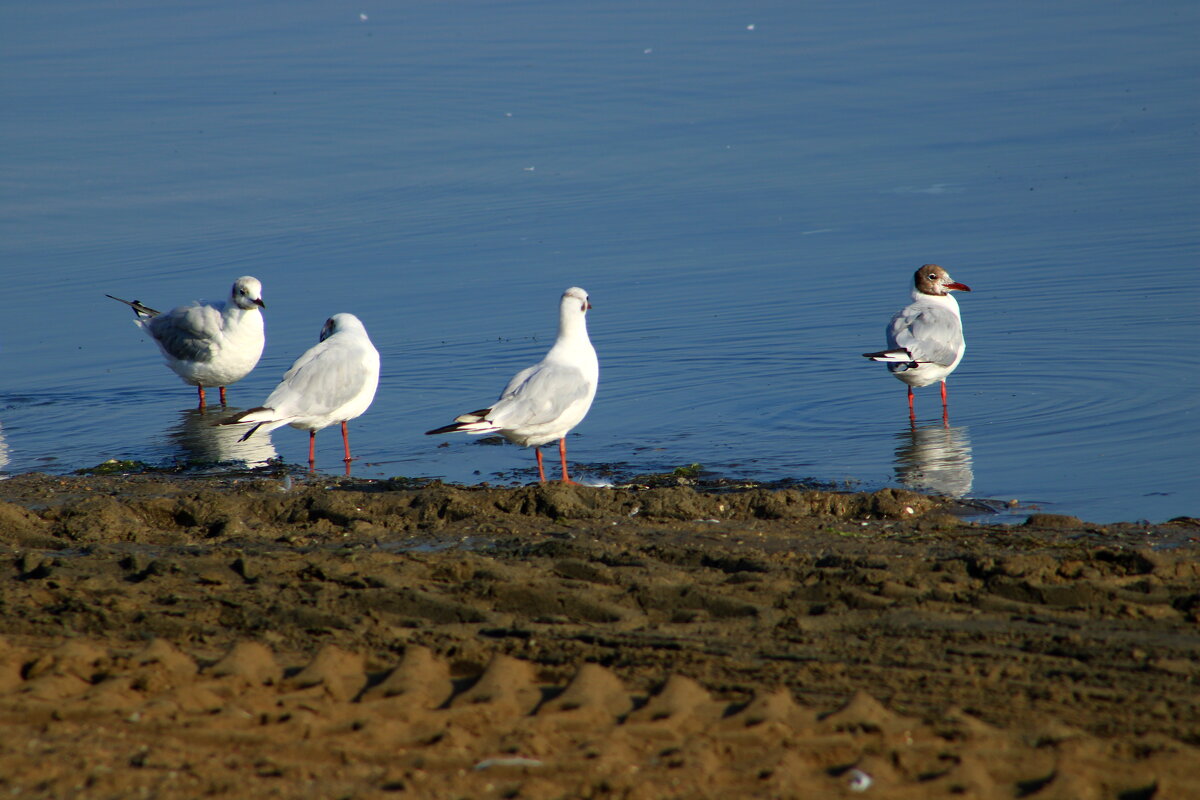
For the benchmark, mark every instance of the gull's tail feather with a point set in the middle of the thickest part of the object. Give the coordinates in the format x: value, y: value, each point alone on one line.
x: 138, y: 308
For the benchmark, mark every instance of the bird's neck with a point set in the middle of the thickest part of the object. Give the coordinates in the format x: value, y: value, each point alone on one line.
x: 246, y: 320
x: 572, y: 327
x: 946, y: 301
x: 233, y: 311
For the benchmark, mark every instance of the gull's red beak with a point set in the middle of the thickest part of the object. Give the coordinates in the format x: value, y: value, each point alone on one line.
x: 260, y: 303
x: 957, y: 287
x: 587, y: 305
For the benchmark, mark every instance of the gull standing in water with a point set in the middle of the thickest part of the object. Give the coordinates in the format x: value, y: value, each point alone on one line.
x: 544, y: 402
x: 334, y: 381
x: 925, y: 339
x: 209, y: 344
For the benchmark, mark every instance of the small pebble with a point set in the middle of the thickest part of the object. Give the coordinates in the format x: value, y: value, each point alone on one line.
x: 859, y: 780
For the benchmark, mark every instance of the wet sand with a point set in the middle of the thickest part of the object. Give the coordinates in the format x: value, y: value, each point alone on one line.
x: 178, y: 638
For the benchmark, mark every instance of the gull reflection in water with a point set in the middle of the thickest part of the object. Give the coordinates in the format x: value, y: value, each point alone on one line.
x: 4, y: 457
x: 935, y: 458
x: 199, y: 436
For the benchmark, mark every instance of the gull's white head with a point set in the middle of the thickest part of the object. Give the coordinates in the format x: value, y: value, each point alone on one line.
x: 247, y: 293
x: 341, y: 322
x: 574, y: 296
x: 932, y: 279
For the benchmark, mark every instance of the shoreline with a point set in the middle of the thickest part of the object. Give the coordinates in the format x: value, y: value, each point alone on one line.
x: 187, y: 636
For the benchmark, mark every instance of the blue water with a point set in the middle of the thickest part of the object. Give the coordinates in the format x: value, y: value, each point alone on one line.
x: 744, y: 189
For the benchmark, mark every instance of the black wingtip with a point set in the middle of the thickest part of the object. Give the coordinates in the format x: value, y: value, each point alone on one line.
x: 132, y: 304
x: 444, y: 429
x: 139, y: 308
x: 237, y: 418
x: 886, y: 353
x: 460, y: 421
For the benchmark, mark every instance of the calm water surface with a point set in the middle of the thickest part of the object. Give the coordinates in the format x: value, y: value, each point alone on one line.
x: 744, y: 188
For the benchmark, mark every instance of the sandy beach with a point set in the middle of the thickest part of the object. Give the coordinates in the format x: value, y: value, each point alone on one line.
x: 239, y: 636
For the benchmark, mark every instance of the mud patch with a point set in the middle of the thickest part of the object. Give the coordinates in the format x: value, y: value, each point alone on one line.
x: 225, y: 638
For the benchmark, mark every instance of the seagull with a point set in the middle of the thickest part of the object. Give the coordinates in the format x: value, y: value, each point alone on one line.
x: 925, y: 339
x: 334, y: 381
x: 209, y: 344
x: 544, y: 402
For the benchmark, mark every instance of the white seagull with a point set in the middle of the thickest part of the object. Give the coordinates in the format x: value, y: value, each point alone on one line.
x: 544, y: 402
x: 925, y: 339
x: 209, y: 344
x: 334, y: 381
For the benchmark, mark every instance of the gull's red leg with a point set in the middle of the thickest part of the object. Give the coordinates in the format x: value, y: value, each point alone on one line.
x: 346, y: 441
x: 312, y: 450
x: 202, y: 403
x: 541, y: 470
x: 222, y: 388
x: 562, y: 453
x: 912, y: 414
x: 945, y: 408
